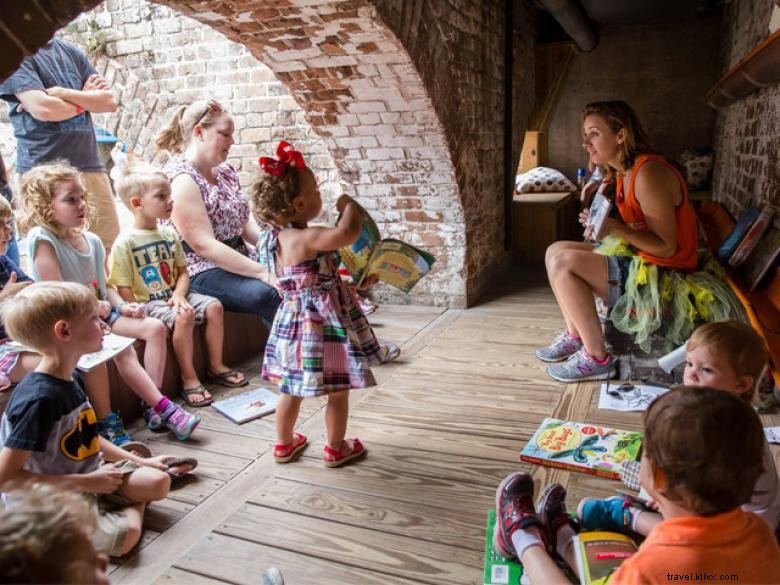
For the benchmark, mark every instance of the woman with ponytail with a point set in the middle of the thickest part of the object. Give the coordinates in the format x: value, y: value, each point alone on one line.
x: 211, y: 213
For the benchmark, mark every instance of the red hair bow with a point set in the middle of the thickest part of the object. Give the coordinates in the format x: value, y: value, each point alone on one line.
x: 287, y: 155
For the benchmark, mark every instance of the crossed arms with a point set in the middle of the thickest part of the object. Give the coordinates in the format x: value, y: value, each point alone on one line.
x: 56, y: 104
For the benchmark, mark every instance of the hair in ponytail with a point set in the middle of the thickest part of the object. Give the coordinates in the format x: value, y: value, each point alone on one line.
x: 175, y: 136
x: 170, y: 137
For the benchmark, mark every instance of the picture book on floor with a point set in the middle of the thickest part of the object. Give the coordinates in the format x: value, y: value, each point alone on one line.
x: 498, y: 570
x: 582, y: 447
x: 735, y: 236
x: 112, y: 345
x: 752, y: 237
x: 628, y: 397
x: 392, y: 261
x: 248, y: 405
x: 763, y: 259
x: 599, y: 554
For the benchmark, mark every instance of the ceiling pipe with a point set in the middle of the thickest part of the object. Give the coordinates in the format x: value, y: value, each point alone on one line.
x: 571, y: 16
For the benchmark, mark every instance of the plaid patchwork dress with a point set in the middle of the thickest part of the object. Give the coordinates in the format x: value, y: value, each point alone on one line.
x: 320, y: 341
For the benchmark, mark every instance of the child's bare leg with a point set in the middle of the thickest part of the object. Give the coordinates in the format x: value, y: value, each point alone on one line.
x: 145, y: 484
x: 336, y: 415
x: 155, y: 335
x: 135, y: 520
x: 97, y: 388
x: 25, y: 363
x: 136, y: 377
x: 183, y: 343
x: 646, y: 521
x: 286, y: 414
x: 215, y: 335
x: 540, y: 567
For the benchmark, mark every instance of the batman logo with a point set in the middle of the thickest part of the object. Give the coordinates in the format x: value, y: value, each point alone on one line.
x: 82, y: 441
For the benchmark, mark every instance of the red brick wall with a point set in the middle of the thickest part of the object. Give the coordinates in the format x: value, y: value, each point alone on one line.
x: 408, y: 98
x: 747, y: 133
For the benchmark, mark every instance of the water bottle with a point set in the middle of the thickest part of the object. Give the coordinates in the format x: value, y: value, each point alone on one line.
x: 581, y: 178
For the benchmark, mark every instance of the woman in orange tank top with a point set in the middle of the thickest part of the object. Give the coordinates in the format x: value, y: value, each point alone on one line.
x: 658, y: 221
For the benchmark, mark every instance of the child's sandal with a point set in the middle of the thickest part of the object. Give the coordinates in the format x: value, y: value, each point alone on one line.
x: 350, y: 449
x: 284, y: 453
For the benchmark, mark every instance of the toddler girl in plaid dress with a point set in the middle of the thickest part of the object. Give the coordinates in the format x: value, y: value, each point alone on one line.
x: 320, y: 341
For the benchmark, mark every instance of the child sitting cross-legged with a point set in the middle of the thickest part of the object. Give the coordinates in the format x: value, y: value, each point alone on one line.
x: 320, y: 342
x: 48, y: 431
x: 701, y: 456
x: 730, y: 356
x: 148, y: 266
x: 55, y: 210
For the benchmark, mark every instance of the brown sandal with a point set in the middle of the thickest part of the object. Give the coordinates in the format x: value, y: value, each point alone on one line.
x: 187, y: 394
x: 222, y: 379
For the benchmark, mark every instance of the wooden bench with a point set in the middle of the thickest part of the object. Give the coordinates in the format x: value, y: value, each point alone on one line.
x: 245, y: 337
x: 763, y: 305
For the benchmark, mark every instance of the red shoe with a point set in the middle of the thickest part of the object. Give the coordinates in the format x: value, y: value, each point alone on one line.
x: 284, y: 453
x: 514, y: 511
x: 350, y: 449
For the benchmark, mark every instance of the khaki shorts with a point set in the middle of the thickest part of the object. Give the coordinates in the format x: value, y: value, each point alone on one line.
x: 159, y: 310
x: 112, y: 525
x: 105, y: 223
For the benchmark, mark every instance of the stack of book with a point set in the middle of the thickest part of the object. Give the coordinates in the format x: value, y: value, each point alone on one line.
x: 753, y: 246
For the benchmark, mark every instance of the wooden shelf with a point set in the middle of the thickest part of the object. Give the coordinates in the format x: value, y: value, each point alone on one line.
x: 759, y: 69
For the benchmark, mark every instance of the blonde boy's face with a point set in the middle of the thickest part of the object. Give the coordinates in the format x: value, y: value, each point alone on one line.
x: 706, y: 365
x: 87, y: 331
x: 156, y: 202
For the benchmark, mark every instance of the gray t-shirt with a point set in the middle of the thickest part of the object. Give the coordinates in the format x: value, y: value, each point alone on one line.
x: 65, y: 65
x: 87, y: 269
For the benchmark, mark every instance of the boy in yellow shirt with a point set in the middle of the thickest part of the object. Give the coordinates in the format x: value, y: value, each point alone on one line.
x: 148, y: 265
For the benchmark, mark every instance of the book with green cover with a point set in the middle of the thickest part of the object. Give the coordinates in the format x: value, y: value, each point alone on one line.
x: 498, y: 570
x: 392, y: 261
x: 582, y: 447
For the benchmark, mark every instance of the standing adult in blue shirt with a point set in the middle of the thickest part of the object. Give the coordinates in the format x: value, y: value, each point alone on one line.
x: 51, y: 98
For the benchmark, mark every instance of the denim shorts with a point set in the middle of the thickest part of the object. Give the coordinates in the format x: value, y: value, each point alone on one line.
x: 617, y: 274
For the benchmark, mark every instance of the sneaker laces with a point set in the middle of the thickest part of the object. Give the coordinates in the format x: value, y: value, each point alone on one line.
x: 178, y: 418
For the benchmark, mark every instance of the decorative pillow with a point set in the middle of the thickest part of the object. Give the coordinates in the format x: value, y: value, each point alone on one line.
x: 542, y: 180
x: 698, y: 168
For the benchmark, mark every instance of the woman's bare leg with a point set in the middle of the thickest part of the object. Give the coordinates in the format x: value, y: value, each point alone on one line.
x: 552, y: 252
x: 576, y: 275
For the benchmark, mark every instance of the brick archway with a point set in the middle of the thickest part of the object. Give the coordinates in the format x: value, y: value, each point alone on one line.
x: 409, y: 99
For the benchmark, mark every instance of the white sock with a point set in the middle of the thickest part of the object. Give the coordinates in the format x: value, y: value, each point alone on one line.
x: 522, y: 538
x: 635, y: 512
x: 563, y: 539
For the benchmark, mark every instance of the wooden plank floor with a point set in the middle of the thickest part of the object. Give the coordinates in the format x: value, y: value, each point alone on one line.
x: 445, y: 424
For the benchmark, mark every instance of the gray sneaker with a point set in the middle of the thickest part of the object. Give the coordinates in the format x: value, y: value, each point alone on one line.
x: 560, y: 349
x: 581, y: 367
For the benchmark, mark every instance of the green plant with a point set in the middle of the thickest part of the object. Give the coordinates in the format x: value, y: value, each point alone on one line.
x: 97, y: 40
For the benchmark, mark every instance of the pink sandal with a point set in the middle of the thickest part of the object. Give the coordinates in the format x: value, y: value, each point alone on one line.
x: 350, y: 449
x: 284, y: 453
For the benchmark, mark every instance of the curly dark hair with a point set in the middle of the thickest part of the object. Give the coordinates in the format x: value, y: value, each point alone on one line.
x: 272, y: 197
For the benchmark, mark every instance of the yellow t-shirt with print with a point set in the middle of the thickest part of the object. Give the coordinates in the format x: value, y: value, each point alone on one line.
x: 148, y: 262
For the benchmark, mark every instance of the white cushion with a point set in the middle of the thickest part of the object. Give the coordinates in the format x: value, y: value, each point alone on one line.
x: 542, y: 180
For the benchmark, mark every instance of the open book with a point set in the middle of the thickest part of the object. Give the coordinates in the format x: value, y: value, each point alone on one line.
x: 392, y: 261
x: 599, y: 554
x: 248, y: 405
x: 582, y: 447
x: 112, y: 345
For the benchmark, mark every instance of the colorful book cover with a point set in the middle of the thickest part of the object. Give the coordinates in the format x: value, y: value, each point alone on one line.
x: 498, y: 570
x: 740, y: 229
x: 753, y: 235
x: 248, y: 405
x: 599, y: 554
x: 763, y: 259
x: 582, y: 447
x: 392, y: 261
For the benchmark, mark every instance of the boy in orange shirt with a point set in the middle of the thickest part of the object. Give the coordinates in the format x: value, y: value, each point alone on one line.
x: 702, y: 454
